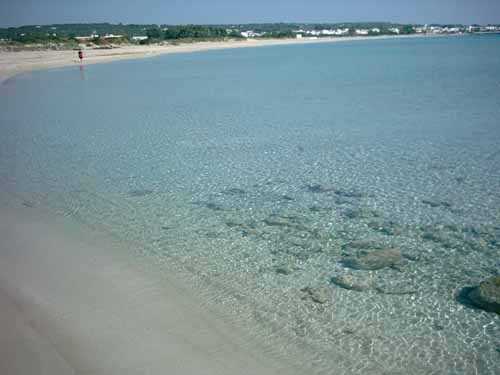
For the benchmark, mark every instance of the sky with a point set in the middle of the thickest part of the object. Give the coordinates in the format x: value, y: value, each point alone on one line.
x: 35, y: 12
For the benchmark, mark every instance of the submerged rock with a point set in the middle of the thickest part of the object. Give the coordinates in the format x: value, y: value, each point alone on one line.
x: 360, y: 213
x: 440, y: 237
x: 317, y: 295
x: 363, y: 244
x: 284, y: 269
x: 436, y: 203
x: 28, y: 204
x: 487, y: 295
x: 351, y: 283
x: 348, y: 193
x: 234, y: 191
x: 374, y: 260
x: 317, y: 188
x: 389, y: 228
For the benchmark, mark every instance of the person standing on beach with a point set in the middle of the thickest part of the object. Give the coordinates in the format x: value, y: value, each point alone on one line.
x: 80, y: 55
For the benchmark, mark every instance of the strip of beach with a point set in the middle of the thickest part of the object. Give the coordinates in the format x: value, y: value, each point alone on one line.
x: 13, y: 63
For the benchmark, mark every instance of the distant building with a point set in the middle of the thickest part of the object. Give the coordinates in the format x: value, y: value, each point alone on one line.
x: 251, y: 34
x: 394, y: 30
x: 112, y: 36
x: 298, y: 36
x: 139, y: 38
x: 362, y: 32
x: 327, y: 32
x: 340, y: 32
x: 375, y: 30
x: 436, y: 29
x: 86, y: 38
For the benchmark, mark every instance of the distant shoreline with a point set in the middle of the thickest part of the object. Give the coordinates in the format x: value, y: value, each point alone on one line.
x: 14, y: 63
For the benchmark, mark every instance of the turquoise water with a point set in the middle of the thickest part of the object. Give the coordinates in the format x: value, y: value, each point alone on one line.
x: 261, y: 171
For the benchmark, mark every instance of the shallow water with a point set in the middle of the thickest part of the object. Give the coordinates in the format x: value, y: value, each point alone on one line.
x: 260, y: 171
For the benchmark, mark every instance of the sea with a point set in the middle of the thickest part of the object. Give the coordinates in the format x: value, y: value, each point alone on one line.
x: 337, y: 200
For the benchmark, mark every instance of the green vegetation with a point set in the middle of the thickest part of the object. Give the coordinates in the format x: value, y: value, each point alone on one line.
x: 68, y: 34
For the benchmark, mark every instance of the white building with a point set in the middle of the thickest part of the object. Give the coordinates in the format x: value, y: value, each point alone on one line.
x: 375, y: 30
x: 112, y: 36
x: 327, y: 32
x: 85, y: 38
x: 251, y: 34
x: 340, y: 32
x: 394, y: 30
x: 436, y: 29
x: 139, y: 38
x: 362, y: 32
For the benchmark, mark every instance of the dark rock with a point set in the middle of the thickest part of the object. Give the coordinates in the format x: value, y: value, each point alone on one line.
x: 435, y: 203
x: 286, y: 198
x: 233, y: 224
x: 374, y: 260
x: 487, y: 295
x: 440, y: 237
x: 317, y: 188
x: 348, y: 194
x: 234, y: 191
x: 389, y: 228
x: 214, y: 206
x: 286, y: 267
x: 361, y: 213
x: 437, y: 327
x: 315, y: 209
x: 276, y: 222
x: 284, y: 270
x: 351, y: 283
x: 28, y: 204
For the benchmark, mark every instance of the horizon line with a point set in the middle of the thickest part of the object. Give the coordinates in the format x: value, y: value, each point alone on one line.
x: 248, y: 23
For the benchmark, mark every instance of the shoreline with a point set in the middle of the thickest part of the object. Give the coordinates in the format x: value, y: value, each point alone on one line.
x: 79, y: 304
x: 14, y: 63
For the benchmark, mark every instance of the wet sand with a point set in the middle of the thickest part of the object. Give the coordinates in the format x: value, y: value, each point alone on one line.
x: 77, y: 304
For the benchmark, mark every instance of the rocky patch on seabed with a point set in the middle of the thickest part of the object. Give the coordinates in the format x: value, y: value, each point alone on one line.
x: 372, y: 260
x: 486, y: 295
x: 352, y: 282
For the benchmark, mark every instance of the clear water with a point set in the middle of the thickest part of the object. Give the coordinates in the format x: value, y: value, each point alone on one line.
x: 257, y: 171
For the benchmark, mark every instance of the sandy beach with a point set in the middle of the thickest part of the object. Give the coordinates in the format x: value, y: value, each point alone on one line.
x: 12, y: 63
x: 76, y: 306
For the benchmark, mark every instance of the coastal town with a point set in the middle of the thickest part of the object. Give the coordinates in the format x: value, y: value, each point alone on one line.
x: 110, y: 35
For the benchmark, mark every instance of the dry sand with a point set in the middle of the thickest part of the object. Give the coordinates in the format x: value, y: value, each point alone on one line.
x: 12, y: 63
x: 74, y: 305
